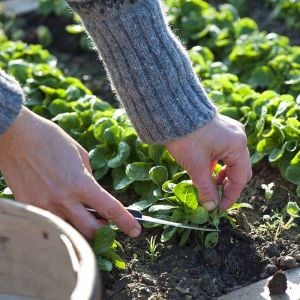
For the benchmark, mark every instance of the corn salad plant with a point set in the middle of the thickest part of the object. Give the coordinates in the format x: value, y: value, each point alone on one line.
x: 252, y: 76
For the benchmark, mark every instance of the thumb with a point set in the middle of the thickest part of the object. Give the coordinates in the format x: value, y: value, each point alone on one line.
x: 202, y: 179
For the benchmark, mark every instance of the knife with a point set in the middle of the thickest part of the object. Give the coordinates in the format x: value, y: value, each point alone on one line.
x: 142, y: 218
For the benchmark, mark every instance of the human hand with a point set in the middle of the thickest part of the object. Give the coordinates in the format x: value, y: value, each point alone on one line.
x: 45, y: 167
x: 222, y: 139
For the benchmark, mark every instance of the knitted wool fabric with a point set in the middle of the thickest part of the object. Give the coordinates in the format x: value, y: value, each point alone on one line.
x: 147, y: 66
x: 11, y: 98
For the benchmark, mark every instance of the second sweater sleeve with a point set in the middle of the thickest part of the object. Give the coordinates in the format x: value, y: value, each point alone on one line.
x: 11, y: 98
x: 147, y: 66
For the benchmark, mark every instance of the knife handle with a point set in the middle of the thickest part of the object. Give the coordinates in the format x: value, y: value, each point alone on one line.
x: 136, y: 214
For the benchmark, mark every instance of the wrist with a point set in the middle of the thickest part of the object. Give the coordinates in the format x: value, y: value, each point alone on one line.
x: 11, y: 139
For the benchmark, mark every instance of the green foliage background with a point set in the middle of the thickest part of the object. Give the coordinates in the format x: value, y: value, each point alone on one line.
x: 252, y: 76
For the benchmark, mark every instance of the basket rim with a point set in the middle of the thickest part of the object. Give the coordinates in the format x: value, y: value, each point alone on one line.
x: 88, y: 282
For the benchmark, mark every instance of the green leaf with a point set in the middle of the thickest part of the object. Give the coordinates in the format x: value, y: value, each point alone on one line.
x: 293, y: 173
x: 44, y: 35
x: 20, y: 69
x: 103, y: 240
x: 291, y: 146
x: 142, y: 187
x: 179, y: 175
x: 100, y: 127
x: 276, y: 154
x: 262, y: 77
x: 240, y: 205
x: 139, y: 171
x: 160, y: 207
x: 143, y: 204
x: 59, y: 106
x: 168, y: 233
x: 293, y: 209
x: 158, y: 174
x: 256, y: 157
x: 155, y: 152
x: 104, y: 264
x: 68, y: 121
x: 298, y: 191
x: 184, y: 237
x: 199, y: 216
x: 121, y: 157
x: 112, y: 135
x: 120, y: 180
x: 98, y: 174
x: 187, y: 194
x: 211, y: 239
x: 296, y: 159
x: 168, y: 186
x: 118, y: 261
x: 75, y: 29
x: 177, y: 215
x: 98, y: 158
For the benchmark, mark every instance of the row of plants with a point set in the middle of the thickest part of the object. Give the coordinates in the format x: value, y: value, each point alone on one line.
x: 286, y: 10
x: 162, y: 187
x: 260, y: 59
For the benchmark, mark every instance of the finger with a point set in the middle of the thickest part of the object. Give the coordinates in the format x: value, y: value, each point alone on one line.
x: 221, y: 176
x: 200, y: 174
x: 237, y: 173
x: 112, y: 209
x: 85, y: 158
x: 45, y: 205
x: 249, y: 173
x: 86, y: 223
x: 213, y: 165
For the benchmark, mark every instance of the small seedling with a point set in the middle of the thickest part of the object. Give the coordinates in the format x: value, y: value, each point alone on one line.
x: 268, y: 188
x: 276, y: 223
x: 152, y: 247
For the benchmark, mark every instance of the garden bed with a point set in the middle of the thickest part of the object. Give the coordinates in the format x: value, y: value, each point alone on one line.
x: 250, y: 251
x: 245, y: 254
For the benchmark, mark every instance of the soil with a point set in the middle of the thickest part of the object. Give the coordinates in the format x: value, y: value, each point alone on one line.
x: 245, y: 254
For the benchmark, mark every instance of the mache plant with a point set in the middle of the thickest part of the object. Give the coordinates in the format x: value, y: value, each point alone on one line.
x: 280, y: 221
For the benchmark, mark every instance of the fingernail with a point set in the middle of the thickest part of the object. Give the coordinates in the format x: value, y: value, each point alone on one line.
x: 209, y: 205
x: 135, y: 232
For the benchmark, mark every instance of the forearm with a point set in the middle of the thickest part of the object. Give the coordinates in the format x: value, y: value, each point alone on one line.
x: 11, y: 98
x: 148, y: 68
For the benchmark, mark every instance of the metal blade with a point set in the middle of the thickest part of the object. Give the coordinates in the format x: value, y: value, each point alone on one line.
x: 138, y: 216
x: 174, y: 224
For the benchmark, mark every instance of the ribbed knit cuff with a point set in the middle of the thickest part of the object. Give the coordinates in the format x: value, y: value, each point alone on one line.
x: 148, y: 67
x: 11, y: 98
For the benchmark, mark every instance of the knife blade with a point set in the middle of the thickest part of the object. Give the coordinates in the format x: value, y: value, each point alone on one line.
x: 142, y: 218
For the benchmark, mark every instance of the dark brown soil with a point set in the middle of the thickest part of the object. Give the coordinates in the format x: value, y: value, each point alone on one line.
x: 192, y: 272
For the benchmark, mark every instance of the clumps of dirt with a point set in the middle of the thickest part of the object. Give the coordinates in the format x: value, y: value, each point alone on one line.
x: 188, y: 272
x: 278, y: 283
x: 244, y: 254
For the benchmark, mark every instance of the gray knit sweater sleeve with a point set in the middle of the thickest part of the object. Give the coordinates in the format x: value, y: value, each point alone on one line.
x: 11, y: 98
x: 147, y: 66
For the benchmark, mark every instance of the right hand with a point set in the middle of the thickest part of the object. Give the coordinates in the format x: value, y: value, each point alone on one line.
x: 222, y: 139
x: 45, y: 167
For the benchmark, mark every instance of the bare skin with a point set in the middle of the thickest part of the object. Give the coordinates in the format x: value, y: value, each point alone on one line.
x: 45, y: 167
x: 222, y: 139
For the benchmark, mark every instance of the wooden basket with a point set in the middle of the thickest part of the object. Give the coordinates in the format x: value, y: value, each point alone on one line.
x: 43, y: 257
